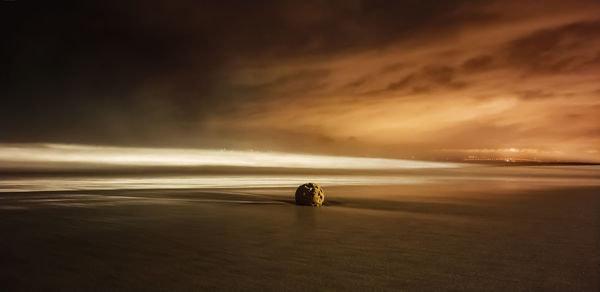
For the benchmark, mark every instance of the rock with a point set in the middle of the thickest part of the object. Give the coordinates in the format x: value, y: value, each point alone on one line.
x: 310, y: 194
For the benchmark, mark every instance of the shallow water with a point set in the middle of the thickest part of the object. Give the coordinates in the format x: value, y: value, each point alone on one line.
x: 520, y: 176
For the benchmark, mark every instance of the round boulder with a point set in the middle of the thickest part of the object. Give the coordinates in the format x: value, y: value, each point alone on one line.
x: 310, y: 194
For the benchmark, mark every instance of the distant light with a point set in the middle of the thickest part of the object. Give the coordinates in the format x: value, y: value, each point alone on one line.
x: 63, y: 155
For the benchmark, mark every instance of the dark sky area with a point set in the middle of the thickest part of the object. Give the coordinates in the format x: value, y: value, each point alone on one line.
x: 389, y: 78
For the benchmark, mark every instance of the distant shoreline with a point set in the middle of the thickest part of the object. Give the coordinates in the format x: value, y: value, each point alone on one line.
x: 212, y: 170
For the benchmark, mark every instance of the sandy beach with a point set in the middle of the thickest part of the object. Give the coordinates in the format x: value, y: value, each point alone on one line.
x: 452, y: 235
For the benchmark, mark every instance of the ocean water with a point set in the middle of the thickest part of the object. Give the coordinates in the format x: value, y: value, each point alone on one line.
x: 518, y: 176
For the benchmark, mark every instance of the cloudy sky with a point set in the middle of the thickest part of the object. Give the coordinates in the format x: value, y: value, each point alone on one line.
x: 377, y: 78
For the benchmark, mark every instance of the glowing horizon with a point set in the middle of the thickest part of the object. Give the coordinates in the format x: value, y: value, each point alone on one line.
x: 66, y: 155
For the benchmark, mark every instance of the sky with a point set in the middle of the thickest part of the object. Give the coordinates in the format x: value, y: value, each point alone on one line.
x: 399, y: 79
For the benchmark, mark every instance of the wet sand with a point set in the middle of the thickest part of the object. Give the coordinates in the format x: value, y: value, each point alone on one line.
x: 455, y: 236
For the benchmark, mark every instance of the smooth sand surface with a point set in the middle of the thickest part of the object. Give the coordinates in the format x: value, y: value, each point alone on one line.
x: 455, y: 236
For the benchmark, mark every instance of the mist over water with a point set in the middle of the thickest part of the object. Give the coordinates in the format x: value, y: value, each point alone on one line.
x: 63, y: 167
x: 512, y: 176
x: 67, y: 156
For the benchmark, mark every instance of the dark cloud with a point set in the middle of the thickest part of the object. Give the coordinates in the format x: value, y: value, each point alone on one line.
x: 439, y: 74
x: 534, y: 94
x: 290, y: 85
x: 394, y: 67
x: 358, y: 82
x: 403, y: 83
x: 427, y: 78
x: 71, y: 66
x: 210, y: 73
x: 555, y: 50
x: 477, y: 64
x: 299, y: 80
